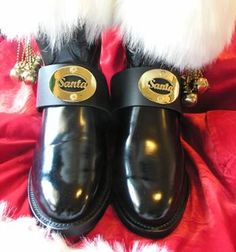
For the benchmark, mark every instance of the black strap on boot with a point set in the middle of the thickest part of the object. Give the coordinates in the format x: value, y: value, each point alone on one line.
x: 146, y: 86
x: 72, y: 85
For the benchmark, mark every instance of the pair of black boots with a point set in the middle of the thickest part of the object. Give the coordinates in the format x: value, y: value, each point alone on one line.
x: 92, y: 144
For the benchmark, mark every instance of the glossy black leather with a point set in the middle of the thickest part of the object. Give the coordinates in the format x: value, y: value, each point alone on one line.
x: 69, y: 162
x: 69, y: 183
x: 150, y: 187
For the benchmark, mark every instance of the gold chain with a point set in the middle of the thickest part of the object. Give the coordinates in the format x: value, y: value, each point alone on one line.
x: 193, y: 83
x: 27, y: 63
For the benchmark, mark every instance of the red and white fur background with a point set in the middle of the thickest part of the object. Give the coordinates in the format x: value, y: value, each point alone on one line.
x: 208, y: 137
x: 208, y: 131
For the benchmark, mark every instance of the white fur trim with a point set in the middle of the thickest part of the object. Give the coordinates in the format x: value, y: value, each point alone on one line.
x: 58, y: 19
x: 183, y: 33
x: 24, y: 234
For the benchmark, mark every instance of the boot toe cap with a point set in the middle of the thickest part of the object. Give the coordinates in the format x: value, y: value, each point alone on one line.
x: 64, y: 203
x: 152, y: 212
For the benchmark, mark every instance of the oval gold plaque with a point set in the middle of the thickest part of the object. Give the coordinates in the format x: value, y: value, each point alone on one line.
x: 73, y: 84
x: 159, y: 85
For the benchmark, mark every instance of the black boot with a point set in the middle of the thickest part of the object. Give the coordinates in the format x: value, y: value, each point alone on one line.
x: 69, y: 183
x: 150, y: 187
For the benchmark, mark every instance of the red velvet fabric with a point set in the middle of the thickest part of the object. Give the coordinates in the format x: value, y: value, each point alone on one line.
x: 208, y: 137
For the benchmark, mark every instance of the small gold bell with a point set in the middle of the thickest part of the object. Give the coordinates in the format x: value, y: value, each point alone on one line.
x: 15, y: 74
x: 202, y: 85
x: 24, y: 74
x: 16, y: 71
x: 190, y: 99
x: 36, y: 65
x: 29, y: 79
x: 27, y: 63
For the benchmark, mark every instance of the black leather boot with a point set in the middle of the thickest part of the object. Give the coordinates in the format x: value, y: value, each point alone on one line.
x: 150, y: 187
x: 69, y: 183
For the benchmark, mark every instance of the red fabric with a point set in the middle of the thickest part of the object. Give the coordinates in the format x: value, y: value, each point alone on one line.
x: 209, y: 139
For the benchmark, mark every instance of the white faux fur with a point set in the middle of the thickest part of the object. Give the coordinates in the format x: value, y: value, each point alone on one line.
x: 182, y: 33
x: 24, y: 234
x: 58, y: 19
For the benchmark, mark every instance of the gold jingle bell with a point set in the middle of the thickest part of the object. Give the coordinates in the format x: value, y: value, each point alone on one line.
x: 190, y: 99
x: 29, y: 77
x: 202, y: 85
x: 30, y: 80
x: 16, y: 72
x: 27, y: 65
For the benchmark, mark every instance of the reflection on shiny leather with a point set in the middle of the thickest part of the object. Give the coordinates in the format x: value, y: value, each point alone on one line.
x: 148, y: 167
x: 51, y: 194
x: 69, y: 161
x: 150, y: 147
